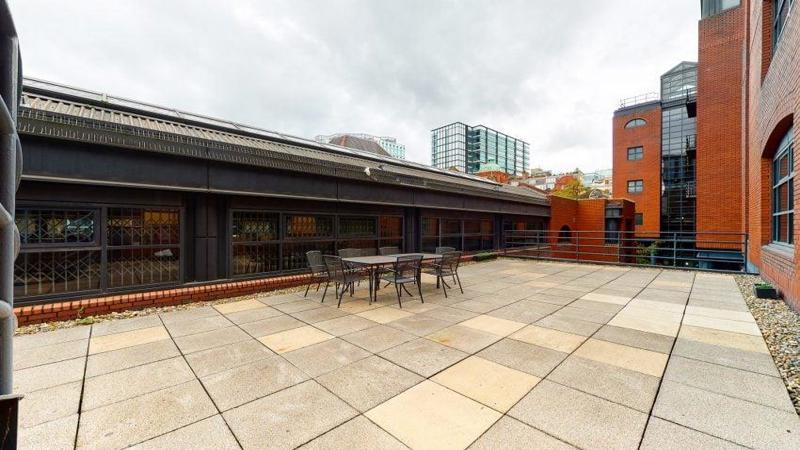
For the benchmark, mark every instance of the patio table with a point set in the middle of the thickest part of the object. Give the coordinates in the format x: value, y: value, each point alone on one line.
x: 373, y: 263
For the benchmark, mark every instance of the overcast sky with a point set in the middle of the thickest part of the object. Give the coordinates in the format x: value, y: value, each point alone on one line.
x: 548, y: 72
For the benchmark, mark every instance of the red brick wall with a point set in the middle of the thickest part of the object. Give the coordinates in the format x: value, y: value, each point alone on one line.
x: 586, y: 220
x: 720, y: 185
x: 772, y: 105
x: 647, y: 169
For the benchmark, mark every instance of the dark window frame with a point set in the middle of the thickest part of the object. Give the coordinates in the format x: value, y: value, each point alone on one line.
x: 785, y: 152
x: 781, y: 11
x: 635, y: 153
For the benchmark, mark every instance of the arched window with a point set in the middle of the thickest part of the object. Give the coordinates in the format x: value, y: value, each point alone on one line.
x: 564, y: 235
x: 635, y: 123
x: 783, y: 191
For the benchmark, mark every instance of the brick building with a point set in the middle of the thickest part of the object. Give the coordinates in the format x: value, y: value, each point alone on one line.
x: 741, y: 167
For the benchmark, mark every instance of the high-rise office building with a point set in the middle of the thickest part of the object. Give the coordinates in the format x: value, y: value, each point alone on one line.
x: 465, y: 148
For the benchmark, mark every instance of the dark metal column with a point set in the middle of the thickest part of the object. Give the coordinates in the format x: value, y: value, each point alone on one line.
x: 10, y: 172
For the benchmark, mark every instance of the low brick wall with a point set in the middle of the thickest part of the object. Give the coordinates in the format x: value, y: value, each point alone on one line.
x: 73, y: 309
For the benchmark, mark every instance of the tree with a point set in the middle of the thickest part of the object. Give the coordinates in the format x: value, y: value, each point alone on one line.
x: 571, y: 188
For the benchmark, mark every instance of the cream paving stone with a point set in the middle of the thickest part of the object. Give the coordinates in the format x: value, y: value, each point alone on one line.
x: 419, y: 325
x: 487, y: 382
x: 753, y: 387
x: 117, y: 341
x: 241, y: 384
x: 297, y: 306
x: 635, y: 338
x: 644, y: 361
x: 493, y: 325
x: 588, y: 315
x: 29, y: 341
x: 526, y: 311
x: 724, y: 338
x: 528, y: 358
x: 144, y: 417
x: 729, y: 418
x: 208, y: 434
x: 384, y: 315
x: 210, y: 339
x: 194, y: 326
x: 416, y: 307
x: 378, y: 338
x: 121, y: 325
x: 134, y: 382
x: 475, y: 306
x: 666, y: 328
x: 726, y: 356
x: 653, y: 305
x: 271, y: 325
x: 463, y: 338
x: 357, y: 306
x: 355, y: 434
x: 294, y: 339
x: 345, y: 325
x: 48, y: 375
x: 318, y: 314
x: 49, y: 404
x: 366, y: 383
x: 50, y: 354
x: 511, y: 434
x: 661, y: 434
x: 242, y: 305
x: 549, y: 338
x: 188, y: 314
x: 429, y: 416
x: 272, y: 299
x: 606, y: 298
x: 218, y: 359
x: 55, y: 435
x: 288, y: 418
x: 569, y: 325
x: 128, y: 357
x: 627, y: 387
x: 321, y: 358
x: 253, y: 315
x: 423, y: 356
x: 448, y: 314
x: 580, y: 419
x: 734, y: 326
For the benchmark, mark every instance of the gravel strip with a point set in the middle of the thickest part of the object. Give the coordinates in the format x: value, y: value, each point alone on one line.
x: 780, y: 326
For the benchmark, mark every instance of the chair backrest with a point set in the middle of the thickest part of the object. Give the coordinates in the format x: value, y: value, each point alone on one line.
x: 407, y: 266
x: 443, y: 250
x: 335, y: 268
x: 315, y: 262
x: 349, y: 252
x: 367, y: 252
x: 450, y: 260
x: 389, y: 250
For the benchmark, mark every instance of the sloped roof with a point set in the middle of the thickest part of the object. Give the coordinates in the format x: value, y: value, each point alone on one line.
x: 350, y: 141
x: 63, y: 112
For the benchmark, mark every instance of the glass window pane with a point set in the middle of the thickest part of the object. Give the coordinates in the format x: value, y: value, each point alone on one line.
x: 357, y: 226
x: 430, y: 226
x: 254, y: 258
x: 391, y: 226
x: 56, y: 272
x: 48, y: 226
x: 249, y: 226
x: 451, y: 226
x: 134, y: 266
x: 294, y: 253
x: 308, y: 227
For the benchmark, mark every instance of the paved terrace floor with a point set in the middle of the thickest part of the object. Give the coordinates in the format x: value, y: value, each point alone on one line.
x: 532, y: 355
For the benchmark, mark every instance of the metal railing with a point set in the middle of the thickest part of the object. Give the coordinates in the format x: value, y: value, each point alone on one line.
x: 712, y: 251
x: 638, y: 99
x: 10, y: 172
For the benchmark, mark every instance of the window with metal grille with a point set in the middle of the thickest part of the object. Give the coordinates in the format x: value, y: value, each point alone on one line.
x: 783, y: 191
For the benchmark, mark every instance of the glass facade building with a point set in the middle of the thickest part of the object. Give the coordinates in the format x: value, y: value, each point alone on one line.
x: 465, y: 148
x: 678, y: 148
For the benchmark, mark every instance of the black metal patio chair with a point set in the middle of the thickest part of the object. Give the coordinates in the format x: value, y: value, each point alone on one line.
x: 405, y: 271
x: 389, y: 251
x: 343, y: 276
x: 319, y: 272
x: 447, y: 266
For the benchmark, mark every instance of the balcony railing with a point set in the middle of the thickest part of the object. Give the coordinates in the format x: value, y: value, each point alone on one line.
x: 712, y: 251
x: 638, y: 99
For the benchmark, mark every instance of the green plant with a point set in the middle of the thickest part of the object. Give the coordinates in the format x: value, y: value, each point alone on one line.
x: 644, y: 253
x: 484, y: 256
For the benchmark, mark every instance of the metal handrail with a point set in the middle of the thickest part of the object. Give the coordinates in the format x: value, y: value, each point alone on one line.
x: 721, y: 251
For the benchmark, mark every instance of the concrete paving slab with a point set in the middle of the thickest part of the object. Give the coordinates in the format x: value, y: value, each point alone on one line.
x: 635, y: 338
x: 125, y: 339
x: 528, y: 358
x: 288, y: 418
x: 128, y: 357
x: 466, y: 339
x: 208, y: 434
x: 423, y: 356
x: 369, y: 382
x: 210, y: 339
x: 511, y: 434
x: 356, y: 433
x: 419, y: 325
x: 272, y: 325
x: 218, y: 359
x: 321, y: 358
x: 663, y: 435
x: 57, y: 435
